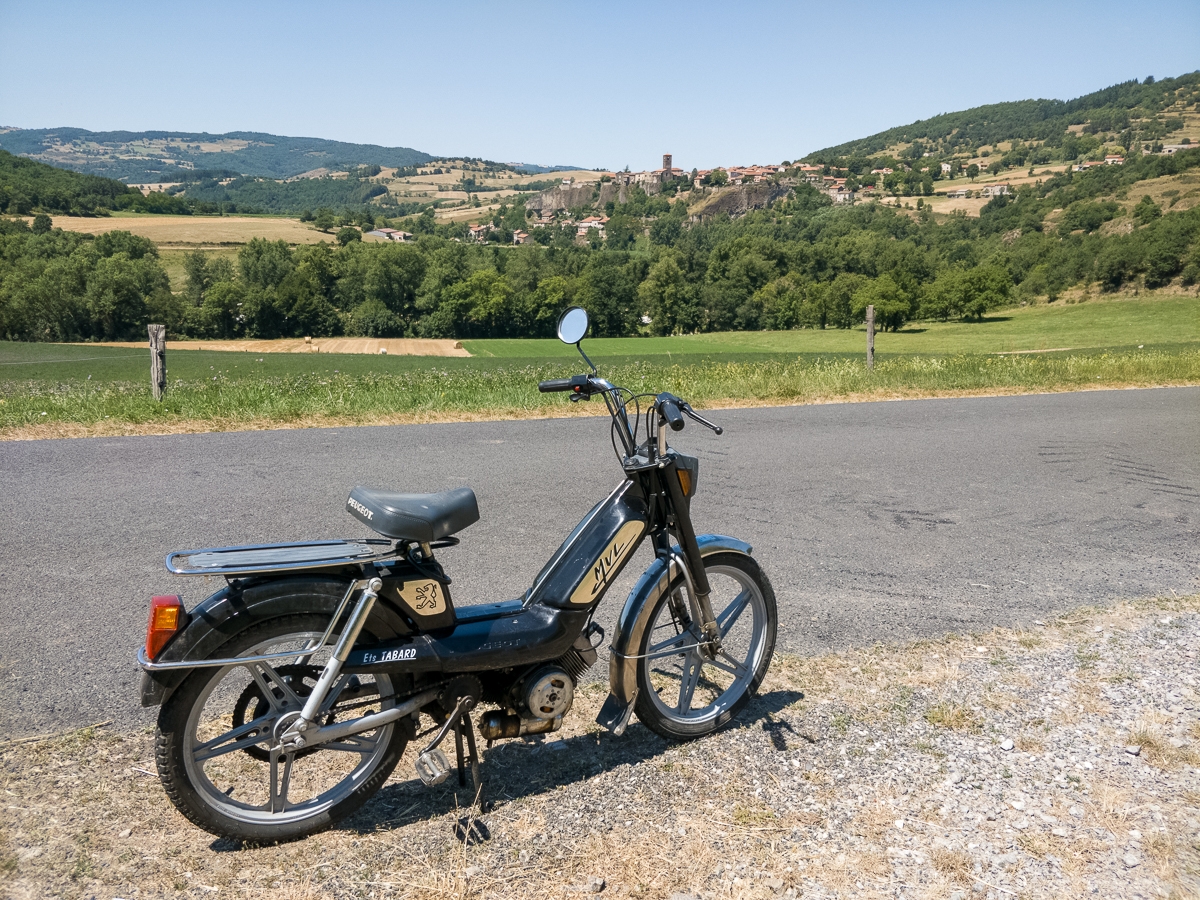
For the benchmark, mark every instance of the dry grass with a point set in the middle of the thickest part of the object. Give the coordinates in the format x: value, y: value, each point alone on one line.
x: 954, y: 715
x: 954, y: 864
x: 199, y: 232
x: 1157, y: 749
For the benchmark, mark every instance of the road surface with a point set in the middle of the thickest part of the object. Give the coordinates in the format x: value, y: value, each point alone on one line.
x: 875, y: 521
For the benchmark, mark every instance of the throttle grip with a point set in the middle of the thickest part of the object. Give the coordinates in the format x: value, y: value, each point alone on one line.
x: 670, y: 412
x: 554, y: 384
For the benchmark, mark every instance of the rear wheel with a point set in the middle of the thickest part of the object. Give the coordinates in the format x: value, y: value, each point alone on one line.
x: 686, y: 692
x: 216, y: 732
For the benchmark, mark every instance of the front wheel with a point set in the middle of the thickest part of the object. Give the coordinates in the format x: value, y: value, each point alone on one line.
x: 686, y: 692
x: 217, y: 747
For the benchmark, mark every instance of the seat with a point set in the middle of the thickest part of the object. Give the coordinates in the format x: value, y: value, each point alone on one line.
x: 413, y: 517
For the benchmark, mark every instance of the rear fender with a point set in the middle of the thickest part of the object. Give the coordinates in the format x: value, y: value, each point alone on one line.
x: 635, y: 616
x: 231, y: 610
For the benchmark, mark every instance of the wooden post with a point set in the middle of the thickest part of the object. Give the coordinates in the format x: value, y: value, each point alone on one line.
x: 158, y: 360
x: 870, y: 337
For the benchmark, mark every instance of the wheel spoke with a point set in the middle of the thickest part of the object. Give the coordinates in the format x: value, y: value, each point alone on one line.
x: 728, y: 618
x: 279, y: 786
x: 231, y: 740
x: 672, y: 646
x: 734, y: 667
x: 691, y: 676
x: 277, y: 704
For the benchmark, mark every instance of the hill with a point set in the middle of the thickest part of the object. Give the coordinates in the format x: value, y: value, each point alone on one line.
x: 162, y: 156
x: 28, y: 186
x: 1134, y: 111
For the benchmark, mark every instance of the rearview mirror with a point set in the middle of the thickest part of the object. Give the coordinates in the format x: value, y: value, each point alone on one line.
x: 572, y: 325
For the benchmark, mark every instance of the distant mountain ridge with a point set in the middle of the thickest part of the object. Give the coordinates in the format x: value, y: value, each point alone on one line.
x: 156, y: 156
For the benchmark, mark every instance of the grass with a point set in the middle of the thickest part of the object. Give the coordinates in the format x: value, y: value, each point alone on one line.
x: 232, y: 397
x: 49, y: 390
x: 1153, y: 322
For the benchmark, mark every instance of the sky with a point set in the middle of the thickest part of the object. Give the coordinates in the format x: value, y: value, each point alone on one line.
x: 599, y: 85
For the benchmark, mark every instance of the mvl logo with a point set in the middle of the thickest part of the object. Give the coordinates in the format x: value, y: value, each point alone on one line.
x: 605, y: 568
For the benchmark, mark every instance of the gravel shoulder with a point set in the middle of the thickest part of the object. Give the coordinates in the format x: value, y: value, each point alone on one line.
x: 1062, y: 760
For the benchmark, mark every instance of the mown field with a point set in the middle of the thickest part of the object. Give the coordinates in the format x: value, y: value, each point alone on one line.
x: 58, y: 390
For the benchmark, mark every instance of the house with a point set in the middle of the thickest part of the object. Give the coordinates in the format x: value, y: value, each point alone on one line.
x: 993, y: 190
x: 1170, y: 149
x: 597, y: 222
x: 391, y: 234
x: 1114, y: 160
x: 883, y: 171
x: 946, y: 167
x: 520, y: 237
x: 960, y: 194
x: 546, y: 217
x: 479, y: 233
x: 1090, y: 164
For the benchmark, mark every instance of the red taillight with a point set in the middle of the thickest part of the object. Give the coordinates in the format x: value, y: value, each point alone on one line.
x: 166, y: 618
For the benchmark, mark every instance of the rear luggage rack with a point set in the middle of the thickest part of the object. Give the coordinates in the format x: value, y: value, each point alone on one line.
x: 260, y: 559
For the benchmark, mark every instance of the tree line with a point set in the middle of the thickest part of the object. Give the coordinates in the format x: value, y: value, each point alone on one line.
x: 802, y: 263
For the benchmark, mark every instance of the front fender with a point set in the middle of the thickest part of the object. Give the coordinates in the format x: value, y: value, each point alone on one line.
x: 635, y: 615
x: 231, y: 610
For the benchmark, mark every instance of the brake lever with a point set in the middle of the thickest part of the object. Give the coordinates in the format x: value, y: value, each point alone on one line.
x: 686, y: 408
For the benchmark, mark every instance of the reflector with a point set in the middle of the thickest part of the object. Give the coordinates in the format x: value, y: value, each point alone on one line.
x: 166, y: 618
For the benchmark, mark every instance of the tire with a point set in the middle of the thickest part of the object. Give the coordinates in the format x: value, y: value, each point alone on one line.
x: 231, y: 792
x: 744, y: 604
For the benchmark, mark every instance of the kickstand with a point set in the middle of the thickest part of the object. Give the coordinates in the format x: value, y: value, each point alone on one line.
x: 464, y: 724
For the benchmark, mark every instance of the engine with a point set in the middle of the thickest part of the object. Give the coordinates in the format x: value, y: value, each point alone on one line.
x: 539, y: 701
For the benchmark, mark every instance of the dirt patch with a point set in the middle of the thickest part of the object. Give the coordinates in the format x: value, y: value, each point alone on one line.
x: 835, y: 782
x: 374, y: 346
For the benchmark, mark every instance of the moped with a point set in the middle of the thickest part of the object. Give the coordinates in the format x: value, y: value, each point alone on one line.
x: 288, y: 697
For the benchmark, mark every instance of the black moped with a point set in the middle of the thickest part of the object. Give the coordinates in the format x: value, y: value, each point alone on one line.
x: 288, y: 697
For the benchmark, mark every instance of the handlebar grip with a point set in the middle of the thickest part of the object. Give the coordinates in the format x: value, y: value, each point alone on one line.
x: 670, y: 412
x: 554, y: 384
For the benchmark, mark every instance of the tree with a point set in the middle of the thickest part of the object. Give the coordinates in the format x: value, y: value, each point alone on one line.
x: 716, y: 178
x: 972, y: 171
x: 323, y: 220
x: 892, y: 307
x: 347, y: 234
x: 42, y: 224
x: 1146, y: 211
x: 666, y: 298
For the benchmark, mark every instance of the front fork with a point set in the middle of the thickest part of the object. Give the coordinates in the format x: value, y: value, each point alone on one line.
x: 692, y: 564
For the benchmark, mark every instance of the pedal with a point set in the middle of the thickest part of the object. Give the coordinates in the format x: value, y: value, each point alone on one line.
x: 433, y: 767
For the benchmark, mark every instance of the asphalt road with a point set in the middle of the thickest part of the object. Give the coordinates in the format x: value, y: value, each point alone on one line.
x: 875, y: 521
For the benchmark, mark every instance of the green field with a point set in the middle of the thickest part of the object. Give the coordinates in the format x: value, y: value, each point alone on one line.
x: 91, y: 389
x: 1108, y: 324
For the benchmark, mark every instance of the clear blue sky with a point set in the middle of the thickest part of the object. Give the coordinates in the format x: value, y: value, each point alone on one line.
x: 596, y: 84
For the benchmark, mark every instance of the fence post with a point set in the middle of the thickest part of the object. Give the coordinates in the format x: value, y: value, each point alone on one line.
x: 158, y: 360
x: 870, y: 337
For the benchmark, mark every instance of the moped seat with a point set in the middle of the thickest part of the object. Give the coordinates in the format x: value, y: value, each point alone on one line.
x: 413, y: 517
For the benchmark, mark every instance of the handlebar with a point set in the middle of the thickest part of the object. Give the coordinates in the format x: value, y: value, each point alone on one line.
x: 554, y: 384
x: 668, y: 405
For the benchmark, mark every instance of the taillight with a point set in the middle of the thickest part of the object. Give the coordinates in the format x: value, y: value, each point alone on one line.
x: 166, y: 618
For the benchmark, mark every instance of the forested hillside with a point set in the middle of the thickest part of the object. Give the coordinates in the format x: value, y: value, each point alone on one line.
x: 1132, y: 110
x: 160, y: 156
x: 27, y: 186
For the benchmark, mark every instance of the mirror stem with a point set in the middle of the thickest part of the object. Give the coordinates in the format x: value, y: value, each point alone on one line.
x: 585, y: 358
